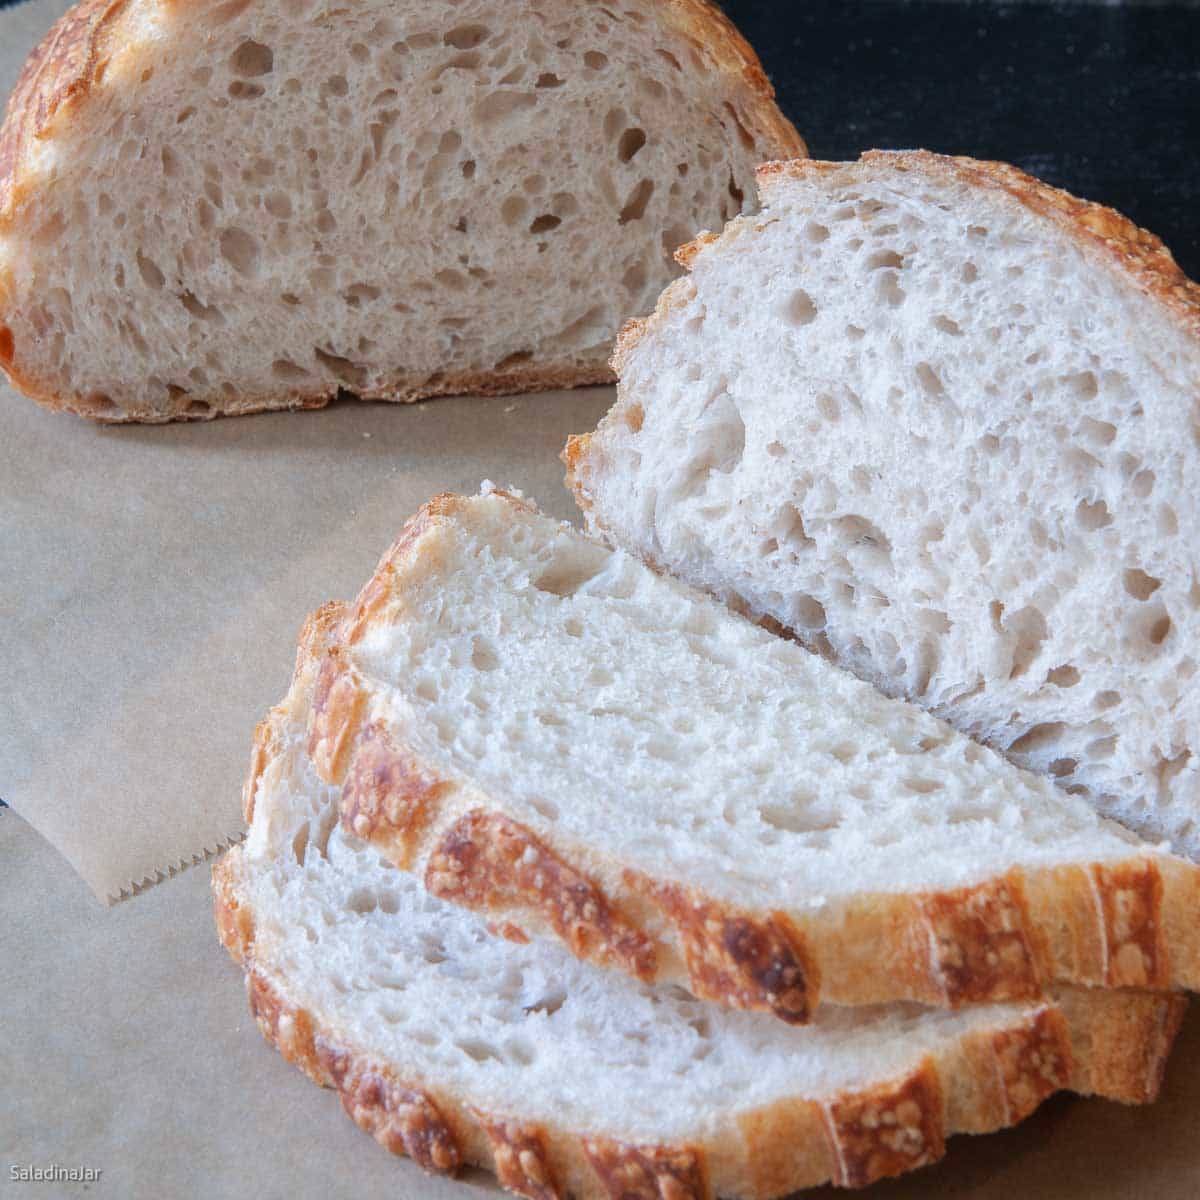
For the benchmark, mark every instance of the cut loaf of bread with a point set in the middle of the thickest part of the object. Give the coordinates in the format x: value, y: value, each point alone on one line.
x: 940, y: 421
x: 546, y: 731
x: 457, y: 1048
x: 218, y: 208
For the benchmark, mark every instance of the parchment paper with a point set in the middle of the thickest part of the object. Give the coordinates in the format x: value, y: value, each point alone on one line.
x: 153, y: 581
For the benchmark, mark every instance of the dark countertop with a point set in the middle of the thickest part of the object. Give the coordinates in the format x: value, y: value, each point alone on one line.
x: 1102, y: 100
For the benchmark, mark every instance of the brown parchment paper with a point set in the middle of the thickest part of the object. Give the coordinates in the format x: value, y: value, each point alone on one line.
x: 153, y: 581
x: 126, y: 1045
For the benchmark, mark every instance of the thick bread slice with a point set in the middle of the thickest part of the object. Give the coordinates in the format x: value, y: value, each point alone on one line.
x: 548, y: 732
x: 223, y: 207
x: 940, y: 421
x: 457, y: 1047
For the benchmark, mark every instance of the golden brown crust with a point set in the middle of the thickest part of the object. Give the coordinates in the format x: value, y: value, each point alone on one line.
x: 1033, y: 1062
x: 1131, y: 902
x: 738, y: 960
x: 984, y: 942
x: 388, y: 796
x: 887, y: 1130
x: 630, y: 1172
x: 519, y: 1152
x: 403, y: 1120
x: 60, y: 72
x: 493, y: 864
x: 337, y: 707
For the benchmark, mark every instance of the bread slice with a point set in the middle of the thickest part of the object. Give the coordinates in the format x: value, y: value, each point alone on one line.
x: 227, y: 207
x: 940, y: 422
x: 457, y: 1047
x: 547, y: 732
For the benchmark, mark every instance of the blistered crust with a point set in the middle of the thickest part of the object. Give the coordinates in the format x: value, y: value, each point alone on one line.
x: 1131, y: 899
x: 491, y: 863
x: 887, y: 1130
x: 522, y: 1162
x: 634, y: 1172
x: 738, y: 960
x: 983, y: 943
x: 388, y: 796
x: 61, y: 70
x: 1032, y: 1062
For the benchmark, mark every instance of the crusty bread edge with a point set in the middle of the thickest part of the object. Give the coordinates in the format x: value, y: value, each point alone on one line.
x: 1132, y: 922
x: 1094, y: 1042
x: 70, y: 64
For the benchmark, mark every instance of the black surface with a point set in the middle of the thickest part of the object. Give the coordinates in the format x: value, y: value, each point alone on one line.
x: 1104, y: 101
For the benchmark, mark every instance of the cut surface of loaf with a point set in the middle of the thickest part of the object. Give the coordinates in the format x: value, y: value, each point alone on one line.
x: 457, y: 1047
x: 548, y: 732
x: 940, y: 421
x: 219, y: 208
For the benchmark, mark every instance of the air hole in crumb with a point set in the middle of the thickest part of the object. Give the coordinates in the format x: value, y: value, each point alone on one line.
x: 1082, y: 385
x: 884, y: 258
x: 890, y: 291
x: 1092, y: 516
x: 349, y: 372
x: 289, y: 372
x: 1038, y: 738
x: 929, y: 381
x: 252, y: 59
x: 810, y: 612
x: 1139, y: 585
x: 795, y: 819
x: 816, y: 233
x: 594, y: 60
x: 466, y: 37
x: 800, y: 309
x: 1065, y: 676
x: 499, y: 105
x: 1142, y: 484
x: 544, y: 223
x: 946, y: 325
x: 483, y: 655
x: 635, y: 205
x: 632, y: 140
x: 1099, y: 433
x: 240, y: 250
x: 148, y: 269
x: 571, y: 569
x: 547, y: 79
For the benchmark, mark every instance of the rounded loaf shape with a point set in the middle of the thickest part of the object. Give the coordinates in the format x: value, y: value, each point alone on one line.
x: 222, y: 207
x: 940, y: 422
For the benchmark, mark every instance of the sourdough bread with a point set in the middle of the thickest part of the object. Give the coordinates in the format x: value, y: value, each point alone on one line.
x: 548, y: 732
x: 456, y: 1047
x: 219, y: 208
x: 939, y: 421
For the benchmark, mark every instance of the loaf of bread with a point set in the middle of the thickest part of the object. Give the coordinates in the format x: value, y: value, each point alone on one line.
x: 457, y: 1047
x: 219, y: 208
x: 546, y: 731
x: 939, y: 421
